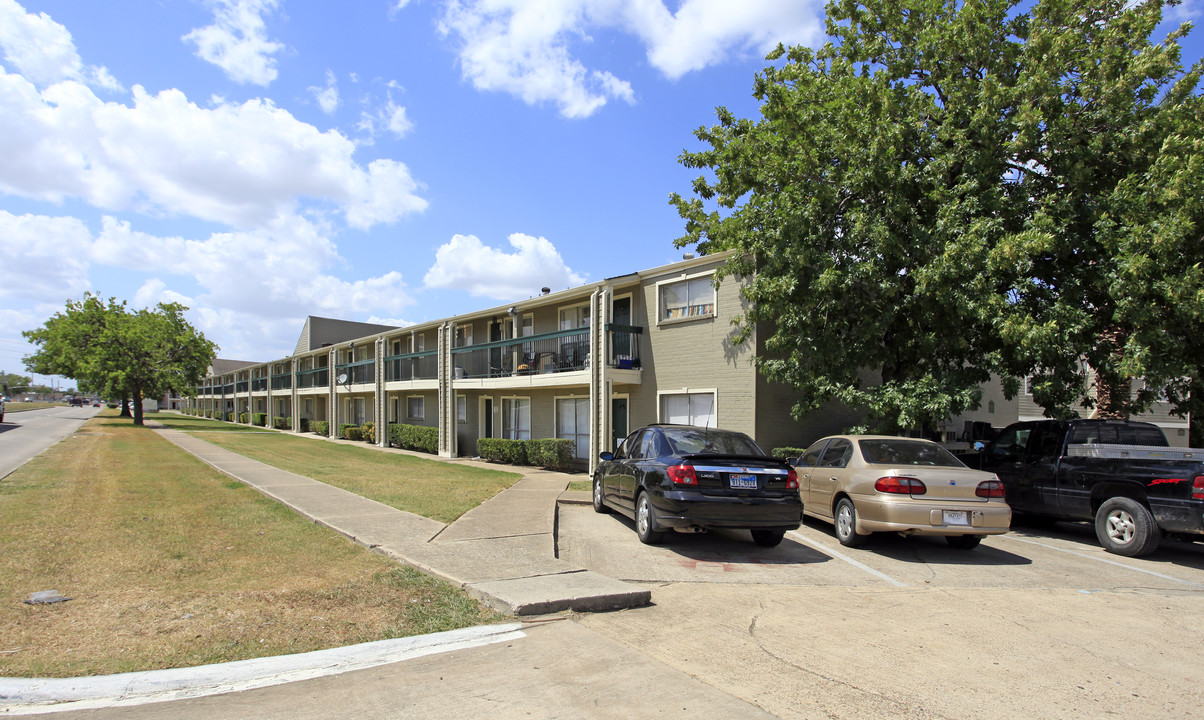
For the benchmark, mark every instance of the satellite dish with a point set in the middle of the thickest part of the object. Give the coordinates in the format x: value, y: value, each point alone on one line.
x: 342, y: 379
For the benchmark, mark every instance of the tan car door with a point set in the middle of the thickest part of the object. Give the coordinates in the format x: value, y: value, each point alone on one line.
x: 826, y: 476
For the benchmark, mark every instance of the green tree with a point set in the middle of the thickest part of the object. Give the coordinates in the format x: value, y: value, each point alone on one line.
x: 885, y: 208
x: 137, y: 354
x: 13, y: 383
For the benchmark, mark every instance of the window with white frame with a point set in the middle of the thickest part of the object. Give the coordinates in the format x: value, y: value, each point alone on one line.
x: 463, y: 336
x: 572, y: 423
x: 687, y: 299
x: 461, y: 409
x: 689, y: 409
x: 516, y: 418
x: 416, y: 407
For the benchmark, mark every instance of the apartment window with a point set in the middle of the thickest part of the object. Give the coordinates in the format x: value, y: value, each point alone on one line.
x: 572, y: 423
x: 689, y: 409
x: 516, y: 418
x: 357, y: 413
x: 463, y: 336
x: 419, y: 343
x: 461, y: 409
x: 416, y: 408
x: 687, y: 299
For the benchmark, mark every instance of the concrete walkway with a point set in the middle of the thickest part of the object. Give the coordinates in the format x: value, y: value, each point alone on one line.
x: 501, y: 552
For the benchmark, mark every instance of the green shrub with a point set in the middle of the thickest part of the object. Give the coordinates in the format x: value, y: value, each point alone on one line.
x: 550, y: 453
x: 244, y: 418
x: 788, y: 452
x: 353, y: 432
x: 344, y: 427
x: 321, y: 427
x: 260, y: 419
x: 414, y: 437
x: 281, y: 423
x: 510, y: 452
x: 368, y: 432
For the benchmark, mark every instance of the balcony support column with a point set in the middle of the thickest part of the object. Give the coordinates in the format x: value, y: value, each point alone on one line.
x: 599, y: 395
x: 379, y: 399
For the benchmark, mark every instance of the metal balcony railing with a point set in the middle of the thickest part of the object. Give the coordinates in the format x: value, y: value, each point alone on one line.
x: 259, y: 384
x: 357, y: 373
x: 282, y: 382
x: 319, y: 377
x: 412, y: 366
x: 241, y: 386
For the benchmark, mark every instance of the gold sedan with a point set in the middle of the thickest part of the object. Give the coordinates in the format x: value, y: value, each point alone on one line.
x: 864, y: 484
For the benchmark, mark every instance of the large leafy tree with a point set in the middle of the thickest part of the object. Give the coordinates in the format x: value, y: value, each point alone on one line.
x: 893, y: 208
x: 137, y: 354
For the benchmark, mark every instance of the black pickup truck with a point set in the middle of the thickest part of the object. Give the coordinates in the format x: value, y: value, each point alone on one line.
x: 1121, y: 475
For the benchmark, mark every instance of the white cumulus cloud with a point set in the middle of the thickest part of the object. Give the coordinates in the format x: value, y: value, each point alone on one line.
x: 42, y: 50
x: 527, y: 47
x: 43, y: 258
x: 237, y: 41
x: 467, y: 264
x: 327, y: 97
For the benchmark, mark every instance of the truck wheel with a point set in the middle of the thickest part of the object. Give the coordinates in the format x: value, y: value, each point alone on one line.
x: 1126, y: 527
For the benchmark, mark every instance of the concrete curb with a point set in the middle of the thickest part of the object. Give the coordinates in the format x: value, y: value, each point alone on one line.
x: 28, y: 696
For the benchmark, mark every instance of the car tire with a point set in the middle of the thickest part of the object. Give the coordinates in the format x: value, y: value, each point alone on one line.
x: 1126, y: 527
x: 645, y: 522
x: 768, y: 538
x: 963, y: 542
x: 844, y: 520
x: 599, y: 506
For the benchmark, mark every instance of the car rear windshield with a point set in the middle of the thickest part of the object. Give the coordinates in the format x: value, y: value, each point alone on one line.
x: 710, y: 442
x: 906, y: 452
x: 1118, y: 434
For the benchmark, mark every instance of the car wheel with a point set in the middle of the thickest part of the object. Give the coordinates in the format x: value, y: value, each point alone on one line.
x: 645, y: 522
x: 846, y: 524
x: 768, y: 538
x: 963, y: 542
x: 1126, y: 527
x: 599, y: 506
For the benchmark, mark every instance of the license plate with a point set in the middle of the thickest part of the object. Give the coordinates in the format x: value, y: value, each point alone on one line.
x: 742, y: 482
x: 956, y: 517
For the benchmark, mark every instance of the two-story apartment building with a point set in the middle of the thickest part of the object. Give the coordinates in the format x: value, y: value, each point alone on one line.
x: 587, y: 364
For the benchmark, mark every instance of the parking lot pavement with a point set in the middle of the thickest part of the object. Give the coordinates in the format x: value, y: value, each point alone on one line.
x: 1037, y: 623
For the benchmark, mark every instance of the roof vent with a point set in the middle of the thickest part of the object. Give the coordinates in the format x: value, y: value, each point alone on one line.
x: 545, y: 290
x: 688, y: 256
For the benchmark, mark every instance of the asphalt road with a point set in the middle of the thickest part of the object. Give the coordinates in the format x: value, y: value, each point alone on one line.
x: 25, y: 434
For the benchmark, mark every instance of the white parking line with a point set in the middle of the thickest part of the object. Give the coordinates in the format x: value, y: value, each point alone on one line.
x: 841, y: 556
x: 1010, y: 536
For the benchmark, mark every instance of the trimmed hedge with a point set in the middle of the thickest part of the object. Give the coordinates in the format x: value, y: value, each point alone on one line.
x: 345, y: 431
x: 550, y: 453
x: 321, y: 427
x: 282, y: 423
x: 244, y: 418
x: 788, y: 452
x: 368, y: 432
x: 260, y: 419
x: 414, y: 437
x: 508, y: 452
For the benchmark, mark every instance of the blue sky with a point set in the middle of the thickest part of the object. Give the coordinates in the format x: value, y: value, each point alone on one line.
x: 391, y: 161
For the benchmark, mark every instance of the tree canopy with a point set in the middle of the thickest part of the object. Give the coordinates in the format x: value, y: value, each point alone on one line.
x: 948, y: 189
x: 137, y: 354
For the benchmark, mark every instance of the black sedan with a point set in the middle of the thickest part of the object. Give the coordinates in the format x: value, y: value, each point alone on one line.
x: 692, y: 479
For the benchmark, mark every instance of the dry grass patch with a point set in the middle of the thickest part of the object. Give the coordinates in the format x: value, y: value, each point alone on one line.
x: 170, y: 564
x: 441, y: 491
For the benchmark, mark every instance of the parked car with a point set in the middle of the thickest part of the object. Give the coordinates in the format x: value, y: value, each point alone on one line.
x: 864, y: 484
x: 691, y: 479
x: 1122, y: 476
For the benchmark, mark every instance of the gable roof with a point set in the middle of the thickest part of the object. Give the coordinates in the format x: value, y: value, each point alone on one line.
x: 319, y: 332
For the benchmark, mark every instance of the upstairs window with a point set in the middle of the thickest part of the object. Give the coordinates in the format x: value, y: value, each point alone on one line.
x: 687, y: 299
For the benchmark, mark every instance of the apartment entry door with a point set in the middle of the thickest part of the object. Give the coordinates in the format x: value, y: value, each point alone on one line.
x: 618, y: 420
x: 487, y: 417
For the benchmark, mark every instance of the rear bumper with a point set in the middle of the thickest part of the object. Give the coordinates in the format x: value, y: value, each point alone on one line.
x: 875, y: 514
x: 688, y: 509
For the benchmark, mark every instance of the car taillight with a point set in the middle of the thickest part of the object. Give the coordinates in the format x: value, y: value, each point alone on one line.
x: 898, y: 485
x: 989, y: 489
x: 683, y: 475
x: 1197, y: 488
x: 791, y: 480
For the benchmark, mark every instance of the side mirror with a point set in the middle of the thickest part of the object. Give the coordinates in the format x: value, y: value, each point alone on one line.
x: 606, y: 456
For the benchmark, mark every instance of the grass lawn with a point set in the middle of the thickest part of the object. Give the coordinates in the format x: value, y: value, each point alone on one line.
x: 438, y: 490
x: 11, y: 406
x: 170, y: 563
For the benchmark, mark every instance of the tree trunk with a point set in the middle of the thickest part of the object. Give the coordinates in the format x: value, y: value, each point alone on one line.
x: 125, y: 406
x: 137, y: 406
x: 1113, y: 393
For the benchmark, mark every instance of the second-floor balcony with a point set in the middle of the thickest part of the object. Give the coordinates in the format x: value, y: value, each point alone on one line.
x: 283, y: 381
x: 317, y: 378
x: 555, y: 352
x: 357, y: 373
x: 412, y: 366
x: 259, y: 384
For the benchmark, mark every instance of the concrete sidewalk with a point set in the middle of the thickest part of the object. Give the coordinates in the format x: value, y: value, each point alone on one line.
x: 502, y: 552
